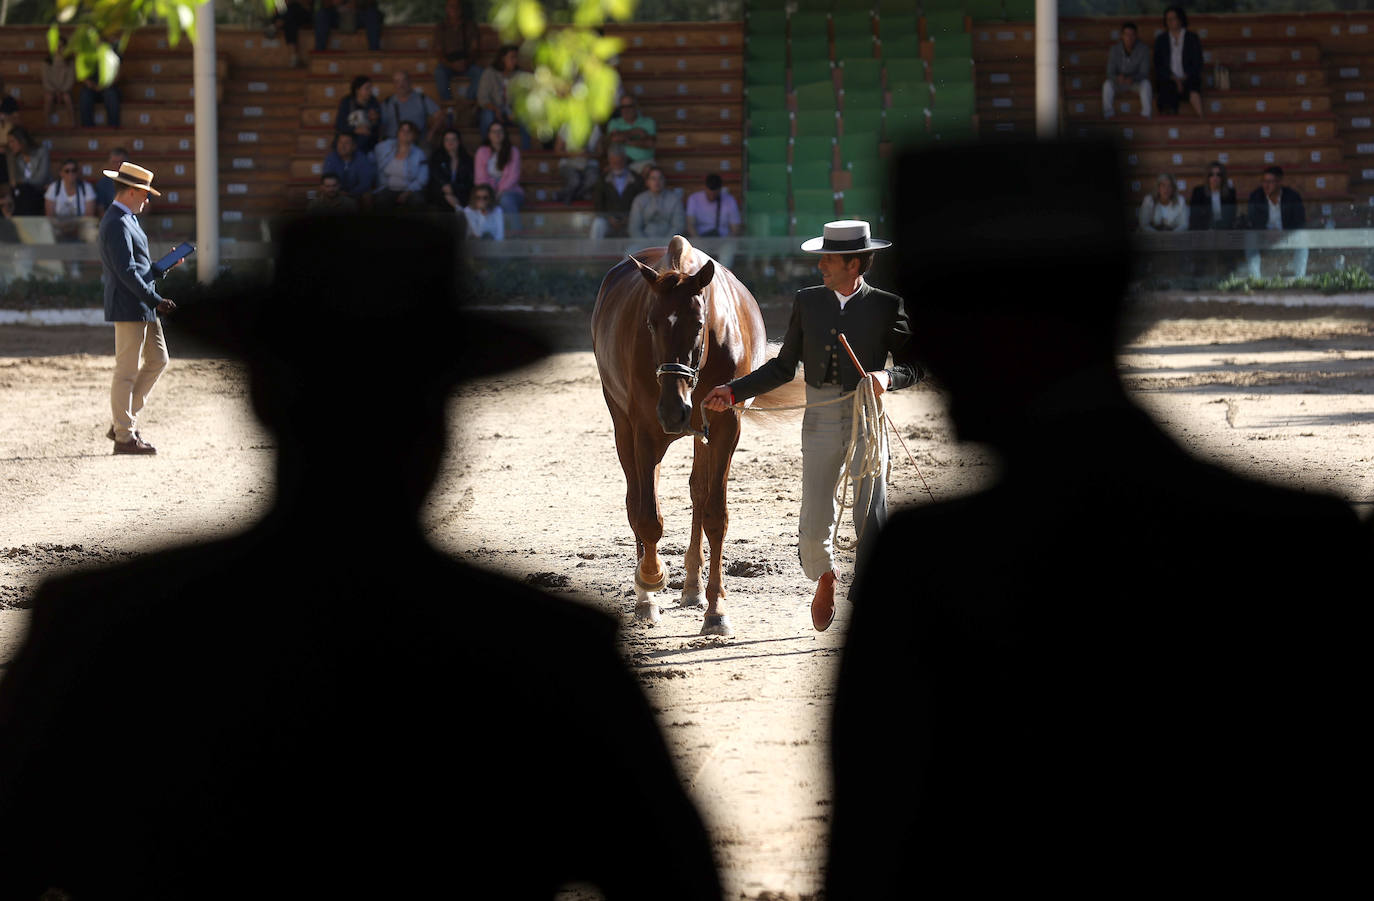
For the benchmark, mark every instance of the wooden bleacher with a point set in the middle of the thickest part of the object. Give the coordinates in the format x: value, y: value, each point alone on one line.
x: 1302, y: 96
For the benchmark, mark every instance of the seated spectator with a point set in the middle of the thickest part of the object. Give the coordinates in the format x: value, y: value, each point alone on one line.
x: 402, y: 170
x: 1213, y: 204
x: 105, y: 187
x: 9, y: 234
x: 636, y: 133
x: 28, y: 171
x: 498, y: 164
x: 494, y: 94
x: 456, y: 45
x: 332, y: 198
x: 1164, y: 210
x: 67, y: 200
x: 346, y: 16
x: 580, y: 169
x: 1178, y: 64
x: 409, y: 104
x: 657, y: 212
x: 485, y: 218
x: 450, y: 173
x: 614, y: 195
x: 9, y: 118
x: 290, y: 19
x: 1128, y: 69
x: 360, y: 114
x: 59, y: 77
x: 356, y: 171
x: 108, y: 95
x: 712, y: 212
x: 1273, y: 207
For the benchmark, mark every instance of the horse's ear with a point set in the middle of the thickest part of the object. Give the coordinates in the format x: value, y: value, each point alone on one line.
x: 650, y: 275
x: 704, y: 275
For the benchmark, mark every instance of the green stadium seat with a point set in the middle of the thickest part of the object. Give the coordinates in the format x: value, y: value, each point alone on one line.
x: 855, y: 46
x: 765, y: 96
x: 937, y: 6
x: 808, y: 23
x: 901, y: 71
x: 862, y: 121
x: 770, y: 123
x: 943, y: 23
x: 818, y: 95
x: 771, y: 149
x: 759, y: 5
x: 951, y: 70
x: 860, y: 100
x: 771, y: 177
x: 896, y: 26
x: 859, y: 147
x: 952, y: 46
x: 813, y: 6
x: 985, y: 10
x: 809, y: 51
x: 862, y: 203
x: 907, y: 94
x: 811, y: 176
x: 868, y: 175
x: 895, y: 7
x: 812, y: 148
x: 814, y: 202
x: 772, y: 203
x: 861, y: 74
x: 765, y: 23
x: 816, y: 122
x: 766, y: 47
x: 902, y: 122
x: 951, y: 126
x: 852, y: 22
x: 954, y: 99
x: 1020, y: 10
x: 810, y: 225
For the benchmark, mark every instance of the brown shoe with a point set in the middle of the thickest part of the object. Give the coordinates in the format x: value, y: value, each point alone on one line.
x: 134, y: 446
x: 823, y: 602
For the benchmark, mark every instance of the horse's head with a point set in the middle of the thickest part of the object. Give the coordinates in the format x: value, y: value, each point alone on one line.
x: 678, y: 336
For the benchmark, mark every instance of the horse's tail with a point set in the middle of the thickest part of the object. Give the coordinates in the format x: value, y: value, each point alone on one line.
x: 782, y: 404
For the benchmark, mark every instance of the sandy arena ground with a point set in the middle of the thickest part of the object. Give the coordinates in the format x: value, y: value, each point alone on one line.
x: 533, y: 488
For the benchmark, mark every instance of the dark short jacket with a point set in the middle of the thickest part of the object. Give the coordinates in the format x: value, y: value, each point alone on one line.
x: 874, y: 323
x: 1200, y: 210
x: 1291, y: 210
x: 130, y: 295
x: 356, y: 176
x: 441, y: 173
x: 1192, y: 57
x: 348, y: 105
x: 606, y: 200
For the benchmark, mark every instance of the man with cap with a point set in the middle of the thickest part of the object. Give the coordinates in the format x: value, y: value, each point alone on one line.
x: 132, y: 304
x: 875, y: 324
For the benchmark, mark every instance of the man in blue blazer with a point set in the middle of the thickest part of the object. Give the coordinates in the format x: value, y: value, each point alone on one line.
x: 874, y: 322
x: 132, y: 304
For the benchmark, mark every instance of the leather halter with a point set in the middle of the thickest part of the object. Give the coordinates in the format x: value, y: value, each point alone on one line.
x: 678, y: 370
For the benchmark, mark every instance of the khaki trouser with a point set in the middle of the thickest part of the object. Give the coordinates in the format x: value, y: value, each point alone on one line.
x: 132, y: 382
x: 825, y: 440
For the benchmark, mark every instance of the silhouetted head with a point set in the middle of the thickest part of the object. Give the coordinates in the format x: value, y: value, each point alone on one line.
x: 1013, y: 263
x: 677, y: 333
x: 355, y: 346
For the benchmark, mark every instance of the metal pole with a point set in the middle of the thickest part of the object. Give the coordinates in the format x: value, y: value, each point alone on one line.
x: 207, y: 146
x: 1046, y: 68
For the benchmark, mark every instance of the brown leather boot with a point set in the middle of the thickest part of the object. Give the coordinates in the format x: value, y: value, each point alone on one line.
x: 823, y: 602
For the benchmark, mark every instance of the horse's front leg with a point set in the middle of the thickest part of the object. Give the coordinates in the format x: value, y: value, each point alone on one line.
x: 715, y: 517
x: 693, y: 594
x: 647, y: 521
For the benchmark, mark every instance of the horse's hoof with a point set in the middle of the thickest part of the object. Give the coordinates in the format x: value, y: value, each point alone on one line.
x: 693, y: 598
x: 646, y: 613
x: 658, y: 585
x: 716, y: 625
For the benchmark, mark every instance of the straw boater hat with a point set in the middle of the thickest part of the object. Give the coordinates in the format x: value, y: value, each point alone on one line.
x: 134, y: 177
x: 845, y: 236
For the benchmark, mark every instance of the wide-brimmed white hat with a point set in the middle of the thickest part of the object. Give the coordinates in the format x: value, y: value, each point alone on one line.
x: 845, y: 236
x: 133, y: 176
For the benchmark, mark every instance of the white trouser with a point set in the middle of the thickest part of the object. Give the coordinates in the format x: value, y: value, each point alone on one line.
x: 1109, y: 97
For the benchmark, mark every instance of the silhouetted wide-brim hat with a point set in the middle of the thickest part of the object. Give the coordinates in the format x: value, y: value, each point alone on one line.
x: 362, y: 299
x: 1015, y: 225
x: 133, y: 176
x: 845, y: 236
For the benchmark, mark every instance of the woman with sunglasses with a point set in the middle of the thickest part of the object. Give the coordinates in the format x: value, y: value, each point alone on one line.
x: 67, y: 200
x: 485, y: 219
x: 1213, y: 204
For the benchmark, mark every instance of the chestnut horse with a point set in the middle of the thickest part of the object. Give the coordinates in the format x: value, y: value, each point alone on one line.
x: 669, y: 325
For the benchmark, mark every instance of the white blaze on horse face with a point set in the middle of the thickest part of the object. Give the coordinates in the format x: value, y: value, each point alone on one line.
x: 672, y: 320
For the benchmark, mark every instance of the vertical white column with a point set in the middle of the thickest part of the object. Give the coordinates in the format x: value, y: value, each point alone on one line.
x: 207, y: 146
x: 1046, y: 68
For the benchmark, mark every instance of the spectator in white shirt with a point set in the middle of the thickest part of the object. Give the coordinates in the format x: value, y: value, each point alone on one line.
x: 485, y: 219
x: 67, y: 200
x: 1164, y: 210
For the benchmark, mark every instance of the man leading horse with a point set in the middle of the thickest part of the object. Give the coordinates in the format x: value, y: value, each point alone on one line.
x: 874, y: 323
